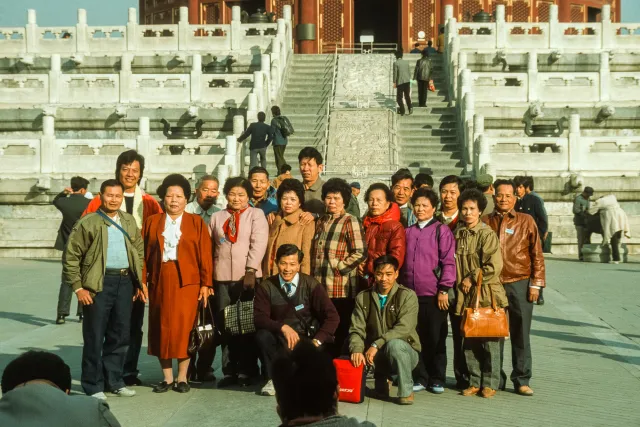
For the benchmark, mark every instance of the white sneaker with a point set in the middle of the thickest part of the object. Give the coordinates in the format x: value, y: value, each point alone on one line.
x: 268, y: 389
x: 124, y: 392
x: 100, y: 396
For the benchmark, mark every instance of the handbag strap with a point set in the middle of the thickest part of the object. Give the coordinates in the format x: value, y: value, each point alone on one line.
x: 478, y: 287
x: 305, y: 325
x: 200, y: 316
x: 115, y: 224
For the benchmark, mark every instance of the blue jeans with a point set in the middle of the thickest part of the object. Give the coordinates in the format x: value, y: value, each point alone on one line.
x: 105, y: 331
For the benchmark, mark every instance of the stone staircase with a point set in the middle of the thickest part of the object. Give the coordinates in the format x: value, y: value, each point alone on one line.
x: 427, y: 139
x: 304, y: 101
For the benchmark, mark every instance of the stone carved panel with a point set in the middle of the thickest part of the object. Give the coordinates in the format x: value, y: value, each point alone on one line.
x: 360, y: 142
x: 365, y: 80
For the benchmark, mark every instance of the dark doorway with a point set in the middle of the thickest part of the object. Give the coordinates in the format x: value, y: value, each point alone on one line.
x: 377, y: 17
x: 593, y: 14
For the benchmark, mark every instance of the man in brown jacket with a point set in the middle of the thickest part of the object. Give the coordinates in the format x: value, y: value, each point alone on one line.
x: 522, y: 275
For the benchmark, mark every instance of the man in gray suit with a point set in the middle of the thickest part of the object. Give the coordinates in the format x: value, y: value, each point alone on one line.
x: 402, y: 82
x: 35, y: 392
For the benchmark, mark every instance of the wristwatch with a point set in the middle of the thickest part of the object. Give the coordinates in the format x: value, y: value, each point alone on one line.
x: 443, y: 292
x: 317, y: 342
x: 374, y: 345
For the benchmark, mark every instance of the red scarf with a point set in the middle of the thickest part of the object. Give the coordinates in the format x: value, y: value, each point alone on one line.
x: 231, y: 226
x: 391, y: 214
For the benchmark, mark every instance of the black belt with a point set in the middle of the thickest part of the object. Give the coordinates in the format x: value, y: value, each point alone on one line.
x: 116, y: 271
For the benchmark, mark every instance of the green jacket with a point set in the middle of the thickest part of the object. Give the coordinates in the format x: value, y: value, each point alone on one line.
x: 398, y: 320
x: 84, y: 260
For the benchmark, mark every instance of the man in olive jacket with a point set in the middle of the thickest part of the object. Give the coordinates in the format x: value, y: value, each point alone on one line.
x: 422, y: 74
x: 103, y: 264
x: 385, y: 320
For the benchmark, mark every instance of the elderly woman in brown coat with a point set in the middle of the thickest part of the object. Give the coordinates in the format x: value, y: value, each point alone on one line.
x: 478, y: 249
x: 288, y: 228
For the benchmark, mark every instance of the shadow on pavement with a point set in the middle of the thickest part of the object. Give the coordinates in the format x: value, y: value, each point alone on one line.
x: 570, y: 337
x: 563, y: 322
x: 632, y: 360
x: 26, y: 318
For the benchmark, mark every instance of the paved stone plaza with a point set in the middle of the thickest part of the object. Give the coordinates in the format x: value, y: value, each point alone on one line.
x: 586, y: 348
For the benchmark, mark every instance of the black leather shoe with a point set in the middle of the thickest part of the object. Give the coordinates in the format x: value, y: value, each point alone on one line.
x: 410, y: 111
x: 227, y: 381
x: 181, y: 387
x: 163, y: 387
x: 131, y: 380
x: 60, y: 320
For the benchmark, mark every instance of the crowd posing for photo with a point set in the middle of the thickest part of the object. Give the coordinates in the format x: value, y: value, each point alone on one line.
x: 289, y: 263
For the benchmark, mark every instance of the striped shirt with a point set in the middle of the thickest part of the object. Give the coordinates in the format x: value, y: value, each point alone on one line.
x: 337, y: 249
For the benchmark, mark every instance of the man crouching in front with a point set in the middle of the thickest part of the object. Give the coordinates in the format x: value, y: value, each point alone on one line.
x: 384, y: 320
x: 103, y: 264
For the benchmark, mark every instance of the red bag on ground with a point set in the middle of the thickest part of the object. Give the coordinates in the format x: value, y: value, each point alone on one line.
x: 351, y: 380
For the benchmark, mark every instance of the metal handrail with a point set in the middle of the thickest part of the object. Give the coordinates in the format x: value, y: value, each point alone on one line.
x: 365, y: 48
x: 330, y: 101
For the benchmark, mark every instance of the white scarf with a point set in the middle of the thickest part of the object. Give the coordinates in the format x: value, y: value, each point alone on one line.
x: 138, y: 206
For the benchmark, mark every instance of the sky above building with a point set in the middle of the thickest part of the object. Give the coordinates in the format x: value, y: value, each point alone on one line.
x: 114, y: 12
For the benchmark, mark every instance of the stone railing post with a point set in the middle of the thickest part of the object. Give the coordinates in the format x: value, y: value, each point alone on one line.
x: 82, y: 32
x: 478, y: 129
x: 236, y: 33
x: 196, y: 77
x: 231, y: 155
x: 484, y: 155
x: 469, y: 112
x: 31, y: 32
x: 532, y: 76
x: 465, y: 83
x: 252, y: 108
x: 501, y: 27
x: 258, y: 89
x: 132, y: 29
x: 143, y: 141
x: 55, y: 74
x: 576, y: 152
x: 280, y: 43
x: 238, y: 125
x: 288, y: 16
x: 265, y: 69
x: 605, y: 77
x: 608, y: 33
x: 48, y: 149
x: 126, y: 77
x: 556, y: 35
x: 183, y: 29
x: 222, y: 175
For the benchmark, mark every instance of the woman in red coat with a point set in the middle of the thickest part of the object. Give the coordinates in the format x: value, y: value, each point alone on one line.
x: 384, y: 233
x: 178, y: 271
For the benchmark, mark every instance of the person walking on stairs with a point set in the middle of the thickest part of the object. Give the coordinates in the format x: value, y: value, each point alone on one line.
x: 422, y: 74
x: 282, y: 130
x: 402, y: 82
x: 261, y: 136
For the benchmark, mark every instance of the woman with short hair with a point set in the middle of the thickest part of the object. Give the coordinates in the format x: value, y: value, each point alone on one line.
x: 287, y: 227
x: 478, y: 250
x: 239, y: 234
x: 178, y: 269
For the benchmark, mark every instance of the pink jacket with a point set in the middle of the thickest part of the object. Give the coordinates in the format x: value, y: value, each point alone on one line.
x: 231, y: 260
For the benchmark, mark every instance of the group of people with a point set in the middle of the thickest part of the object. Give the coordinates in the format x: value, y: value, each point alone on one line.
x: 378, y: 289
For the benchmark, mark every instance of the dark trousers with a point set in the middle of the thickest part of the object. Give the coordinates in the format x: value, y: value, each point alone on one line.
x: 202, y: 362
x: 239, y: 352
x: 615, y: 246
x: 460, y: 369
x: 105, y: 331
x: 278, y: 152
x: 135, y: 339
x: 423, y: 90
x: 520, y: 314
x: 432, y: 330
x: 345, y: 307
x: 64, y: 301
x: 403, y: 90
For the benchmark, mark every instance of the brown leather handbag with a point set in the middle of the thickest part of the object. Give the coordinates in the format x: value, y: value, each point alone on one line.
x: 484, y: 322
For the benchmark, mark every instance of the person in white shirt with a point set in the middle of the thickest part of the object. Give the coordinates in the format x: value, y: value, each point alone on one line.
x: 204, y: 203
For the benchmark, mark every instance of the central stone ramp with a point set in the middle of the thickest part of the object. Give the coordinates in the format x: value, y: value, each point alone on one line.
x: 364, y: 81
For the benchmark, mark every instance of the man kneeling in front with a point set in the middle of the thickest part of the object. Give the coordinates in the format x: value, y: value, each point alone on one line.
x: 384, y: 323
x: 290, y: 307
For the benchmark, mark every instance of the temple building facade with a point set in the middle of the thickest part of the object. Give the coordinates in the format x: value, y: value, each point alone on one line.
x: 324, y: 24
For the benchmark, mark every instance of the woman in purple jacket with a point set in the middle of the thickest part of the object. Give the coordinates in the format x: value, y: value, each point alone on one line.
x: 430, y: 270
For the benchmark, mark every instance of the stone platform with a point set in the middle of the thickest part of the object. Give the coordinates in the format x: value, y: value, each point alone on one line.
x: 586, y: 350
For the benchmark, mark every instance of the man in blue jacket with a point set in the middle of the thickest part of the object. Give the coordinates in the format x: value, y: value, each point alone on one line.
x: 261, y: 136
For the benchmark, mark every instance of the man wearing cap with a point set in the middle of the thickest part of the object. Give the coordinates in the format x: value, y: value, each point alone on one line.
x: 485, y: 182
x: 580, y: 207
x: 354, y: 207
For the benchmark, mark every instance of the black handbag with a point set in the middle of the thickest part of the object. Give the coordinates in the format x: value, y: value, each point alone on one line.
x: 203, y: 332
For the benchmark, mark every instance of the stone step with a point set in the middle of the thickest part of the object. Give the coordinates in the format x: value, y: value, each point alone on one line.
x: 445, y: 132
x: 315, y: 99
x: 417, y: 153
x: 306, y: 92
x: 305, y: 108
x: 311, y: 71
x: 430, y: 146
x: 417, y: 138
x: 308, y: 132
x: 410, y: 160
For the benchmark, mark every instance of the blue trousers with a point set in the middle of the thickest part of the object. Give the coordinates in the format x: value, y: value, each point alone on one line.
x: 105, y: 331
